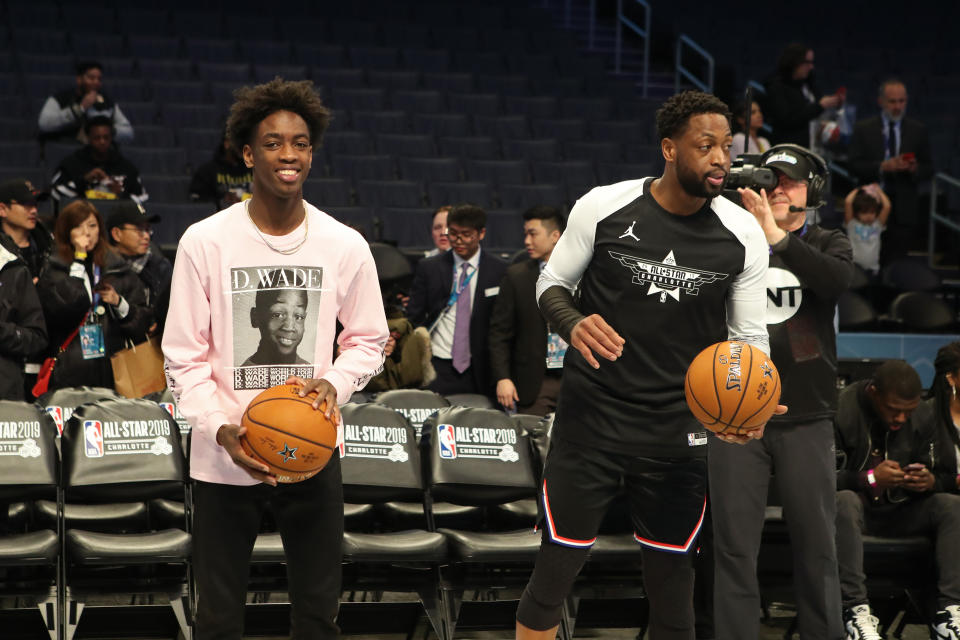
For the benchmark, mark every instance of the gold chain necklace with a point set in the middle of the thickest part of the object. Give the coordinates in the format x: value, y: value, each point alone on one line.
x: 286, y: 252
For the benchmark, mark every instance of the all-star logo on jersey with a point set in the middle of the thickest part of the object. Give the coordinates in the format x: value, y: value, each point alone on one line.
x: 666, y: 278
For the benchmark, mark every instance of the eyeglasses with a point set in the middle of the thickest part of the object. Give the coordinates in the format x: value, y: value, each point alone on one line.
x: 461, y: 236
x: 141, y: 230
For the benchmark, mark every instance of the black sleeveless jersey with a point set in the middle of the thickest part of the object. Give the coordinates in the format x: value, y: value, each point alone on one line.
x: 670, y: 285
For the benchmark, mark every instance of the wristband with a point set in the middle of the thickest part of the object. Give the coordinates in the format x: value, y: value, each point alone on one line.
x: 872, y: 479
x: 80, y: 255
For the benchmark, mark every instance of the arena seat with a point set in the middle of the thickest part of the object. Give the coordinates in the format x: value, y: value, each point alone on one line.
x: 855, y: 313
x: 158, y: 47
x: 922, y: 311
x: 441, y: 193
x: 390, y: 193
x: 104, y: 462
x: 381, y: 121
x: 30, y: 551
x: 524, y: 196
x: 453, y: 81
x: 547, y: 150
x: 504, y: 85
x: 560, y: 128
x: 428, y: 170
x: 470, y: 147
x: 363, y: 167
x: 498, y: 171
x: 426, y: 60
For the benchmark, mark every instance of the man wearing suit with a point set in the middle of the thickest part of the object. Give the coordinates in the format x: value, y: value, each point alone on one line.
x: 894, y: 150
x: 526, y: 371
x: 453, y: 294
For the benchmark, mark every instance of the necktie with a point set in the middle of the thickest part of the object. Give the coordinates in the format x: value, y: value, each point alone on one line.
x: 891, y: 140
x: 461, y: 329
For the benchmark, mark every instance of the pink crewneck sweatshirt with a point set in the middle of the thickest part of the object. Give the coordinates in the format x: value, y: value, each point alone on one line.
x: 243, y: 317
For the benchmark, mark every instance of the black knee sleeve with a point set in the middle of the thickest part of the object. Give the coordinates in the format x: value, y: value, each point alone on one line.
x: 541, y: 604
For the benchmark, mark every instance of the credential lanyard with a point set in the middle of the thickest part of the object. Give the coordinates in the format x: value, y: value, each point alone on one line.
x: 96, y: 281
x: 452, y: 300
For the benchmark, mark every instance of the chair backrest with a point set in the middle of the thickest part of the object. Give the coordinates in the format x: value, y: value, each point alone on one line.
x: 28, y: 452
x: 477, y: 456
x: 60, y: 403
x: 391, y: 263
x: 416, y: 405
x: 855, y: 311
x: 922, y: 311
x: 910, y: 275
x: 121, y: 449
x: 380, y: 460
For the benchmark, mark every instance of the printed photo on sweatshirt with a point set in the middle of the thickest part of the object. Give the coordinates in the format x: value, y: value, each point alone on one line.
x: 274, y: 323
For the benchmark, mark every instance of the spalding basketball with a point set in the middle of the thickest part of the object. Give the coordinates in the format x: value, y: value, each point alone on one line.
x: 287, y: 434
x: 732, y: 387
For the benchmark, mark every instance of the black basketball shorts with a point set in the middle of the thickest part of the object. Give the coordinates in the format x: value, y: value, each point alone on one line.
x: 666, y: 496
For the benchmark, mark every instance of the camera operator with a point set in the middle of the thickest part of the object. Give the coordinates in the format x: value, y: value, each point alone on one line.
x: 809, y: 268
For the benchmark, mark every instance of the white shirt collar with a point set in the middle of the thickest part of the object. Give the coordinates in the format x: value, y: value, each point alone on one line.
x: 474, y: 261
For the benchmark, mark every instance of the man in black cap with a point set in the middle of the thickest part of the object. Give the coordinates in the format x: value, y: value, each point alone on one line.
x: 809, y: 268
x: 19, y: 220
x: 128, y: 230
x: 64, y: 114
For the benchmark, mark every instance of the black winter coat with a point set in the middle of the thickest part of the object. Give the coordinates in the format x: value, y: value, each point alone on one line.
x: 65, y: 301
x: 22, y: 328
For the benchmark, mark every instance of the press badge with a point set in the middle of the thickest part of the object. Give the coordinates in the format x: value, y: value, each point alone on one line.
x: 91, y: 341
x: 556, y: 348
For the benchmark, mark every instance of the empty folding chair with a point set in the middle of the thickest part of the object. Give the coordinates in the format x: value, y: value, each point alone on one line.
x: 416, y: 405
x: 426, y: 60
x: 430, y: 169
x: 137, y: 21
x: 223, y: 71
x: 390, y: 193
x: 29, y: 552
x: 267, y: 72
x: 406, y: 144
x: 457, y: 81
x: 180, y: 92
x: 157, y: 160
x: 328, y: 192
x: 475, y: 104
x: 347, y: 142
x: 442, y: 124
x: 560, y: 128
x: 590, y: 150
x: 124, y: 450
x: 532, y: 150
x: 97, y: 44
x: 154, y: 46
x: 478, y: 193
x: 358, y: 99
x: 524, y: 196
x: 357, y: 167
x: 470, y: 147
x: 498, y: 171
x: 267, y: 52
x: 175, y: 218
x: 381, y: 121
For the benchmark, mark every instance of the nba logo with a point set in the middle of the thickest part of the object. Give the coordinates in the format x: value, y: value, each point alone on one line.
x: 93, y: 437
x: 169, y: 407
x: 447, y: 441
x: 57, y: 414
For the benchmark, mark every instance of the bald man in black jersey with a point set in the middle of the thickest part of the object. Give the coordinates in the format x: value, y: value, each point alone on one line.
x: 665, y: 269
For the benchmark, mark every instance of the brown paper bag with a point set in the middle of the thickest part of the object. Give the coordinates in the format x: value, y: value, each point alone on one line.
x: 138, y: 370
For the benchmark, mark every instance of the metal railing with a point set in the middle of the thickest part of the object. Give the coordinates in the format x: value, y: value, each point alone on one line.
x: 644, y: 32
x: 681, y: 71
x: 937, y: 218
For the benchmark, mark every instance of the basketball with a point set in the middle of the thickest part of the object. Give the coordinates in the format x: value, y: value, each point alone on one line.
x: 732, y: 387
x: 287, y: 434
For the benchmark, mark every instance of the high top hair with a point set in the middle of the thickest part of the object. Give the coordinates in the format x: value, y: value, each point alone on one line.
x: 947, y: 361
x: 897, y: 378
x: 675, y: 114
x: 253, y: 104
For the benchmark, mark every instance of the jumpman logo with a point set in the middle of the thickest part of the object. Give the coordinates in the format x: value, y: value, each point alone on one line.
x: 629, y: 232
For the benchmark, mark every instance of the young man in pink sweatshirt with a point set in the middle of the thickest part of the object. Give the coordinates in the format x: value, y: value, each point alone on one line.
x: 316, y: 271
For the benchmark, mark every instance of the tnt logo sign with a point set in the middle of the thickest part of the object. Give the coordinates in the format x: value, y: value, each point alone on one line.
x: 57, y: 414
x: 447, y: 441
x: 93, y: 438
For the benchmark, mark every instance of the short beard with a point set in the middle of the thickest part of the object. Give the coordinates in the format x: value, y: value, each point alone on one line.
x: 695, y: 186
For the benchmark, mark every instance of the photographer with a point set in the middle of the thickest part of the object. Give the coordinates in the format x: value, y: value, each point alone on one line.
x: 809, y: 268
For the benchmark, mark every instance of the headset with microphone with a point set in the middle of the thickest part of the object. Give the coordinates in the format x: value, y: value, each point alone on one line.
x: 816, y: 184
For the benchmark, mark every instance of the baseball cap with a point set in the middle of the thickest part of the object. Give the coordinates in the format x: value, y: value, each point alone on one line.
x: 789, y: 161
x: 21, y: 191
x: 128, y: 212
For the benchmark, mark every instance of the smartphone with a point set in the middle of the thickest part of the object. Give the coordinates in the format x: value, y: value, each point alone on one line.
x: 915, y: 466
x: 910, y: 156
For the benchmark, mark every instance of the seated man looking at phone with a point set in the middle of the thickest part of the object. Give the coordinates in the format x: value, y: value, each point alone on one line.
x: 889, y: 484
x: 894, y: 150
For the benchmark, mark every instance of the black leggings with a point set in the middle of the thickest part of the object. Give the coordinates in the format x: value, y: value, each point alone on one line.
x: 667, y: 579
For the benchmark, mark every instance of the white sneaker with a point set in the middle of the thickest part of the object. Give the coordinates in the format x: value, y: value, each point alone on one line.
x: 947, y: 623
x: 860, y: 625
